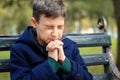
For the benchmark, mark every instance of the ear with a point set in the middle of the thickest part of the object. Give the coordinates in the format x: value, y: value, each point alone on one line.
x: 33, y: 22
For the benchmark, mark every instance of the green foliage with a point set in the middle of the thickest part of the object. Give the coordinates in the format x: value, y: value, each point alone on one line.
x: 16, y: 14
x: 91, y: 9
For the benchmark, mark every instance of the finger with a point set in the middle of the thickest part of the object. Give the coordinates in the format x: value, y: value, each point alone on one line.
x: 49, y: 45
x: 58, y: 42
x: 54, y: 47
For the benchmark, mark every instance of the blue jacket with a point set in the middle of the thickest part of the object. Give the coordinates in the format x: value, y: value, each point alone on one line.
x: 28, y: 60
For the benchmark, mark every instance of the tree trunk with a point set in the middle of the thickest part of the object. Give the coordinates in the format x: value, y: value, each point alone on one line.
x: 117, y: 15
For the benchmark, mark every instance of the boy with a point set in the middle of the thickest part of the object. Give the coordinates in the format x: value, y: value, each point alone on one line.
x: 40, y: 53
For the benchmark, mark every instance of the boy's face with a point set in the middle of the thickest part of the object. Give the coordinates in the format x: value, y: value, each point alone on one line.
x: 49, y: 29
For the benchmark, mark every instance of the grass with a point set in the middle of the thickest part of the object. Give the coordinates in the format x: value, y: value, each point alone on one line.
x: 5, y: 55
x: 5, y: 76
x: 92, y: 69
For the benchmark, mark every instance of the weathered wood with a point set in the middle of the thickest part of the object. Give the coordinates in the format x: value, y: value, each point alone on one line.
x: 6, y: 42
x: 112, y: 64
x: 4, y: 65
x: 89, y: 40
x: 105, y: 76
x: 95, y: 59
x: 83, y: 40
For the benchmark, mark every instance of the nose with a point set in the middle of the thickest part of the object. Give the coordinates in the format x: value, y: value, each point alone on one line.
x: 55, y: 33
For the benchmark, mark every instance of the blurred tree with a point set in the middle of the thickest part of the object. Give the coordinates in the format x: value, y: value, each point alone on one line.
x: 117, y: 15
x: 16, y: 14
x: 92, y: 9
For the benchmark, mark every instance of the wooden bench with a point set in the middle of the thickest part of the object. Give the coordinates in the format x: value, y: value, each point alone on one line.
x: 83, y: 40
x: 103, y: 58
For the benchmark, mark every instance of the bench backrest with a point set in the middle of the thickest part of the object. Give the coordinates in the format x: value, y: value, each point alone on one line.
x: 83, y: 40
x: 95, y: 40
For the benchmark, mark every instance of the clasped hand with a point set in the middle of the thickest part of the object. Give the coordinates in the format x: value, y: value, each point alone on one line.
x: 55, y: 50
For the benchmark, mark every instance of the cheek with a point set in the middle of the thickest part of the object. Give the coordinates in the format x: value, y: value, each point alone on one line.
x: 45, y: 35
x: 60, y: 35
x: 40, y: 34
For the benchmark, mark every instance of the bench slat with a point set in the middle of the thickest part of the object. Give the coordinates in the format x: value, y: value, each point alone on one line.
x: 86, y: 40
x: 83, y: 40
x: 105, y: 76
x: 4, y: 65
x: 6, y: 42
x: 96, y: 59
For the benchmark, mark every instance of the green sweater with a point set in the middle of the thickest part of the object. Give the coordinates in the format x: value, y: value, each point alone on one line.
x: 65, y: 67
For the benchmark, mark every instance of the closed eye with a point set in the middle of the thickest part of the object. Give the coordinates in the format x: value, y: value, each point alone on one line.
x: 60, y: 27
x: 49, y: 27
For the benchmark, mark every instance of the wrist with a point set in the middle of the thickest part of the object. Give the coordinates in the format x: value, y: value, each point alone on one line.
x: 53, y: 55
x: 62, y: 60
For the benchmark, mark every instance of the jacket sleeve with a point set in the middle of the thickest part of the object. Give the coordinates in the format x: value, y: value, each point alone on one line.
x: 79, y: 69
x: 21, y: 70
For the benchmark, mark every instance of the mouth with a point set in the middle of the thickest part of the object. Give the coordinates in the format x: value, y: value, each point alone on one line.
x: 49, y: 40
x: 52, y: 39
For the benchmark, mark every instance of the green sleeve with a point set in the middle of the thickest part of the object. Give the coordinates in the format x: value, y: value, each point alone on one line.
x: 54, y: 64
x: 66, y: 66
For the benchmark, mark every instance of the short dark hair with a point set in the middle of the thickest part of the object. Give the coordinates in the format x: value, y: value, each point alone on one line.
x: 50, y: 8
